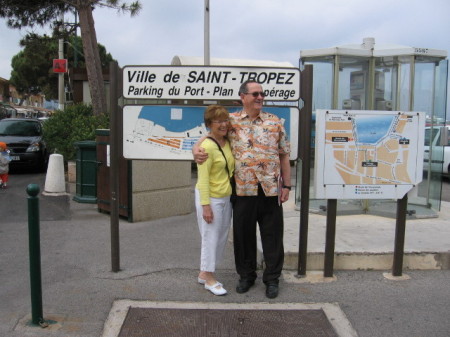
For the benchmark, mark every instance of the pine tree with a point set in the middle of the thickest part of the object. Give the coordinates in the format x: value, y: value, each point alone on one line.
x: 27, y: 13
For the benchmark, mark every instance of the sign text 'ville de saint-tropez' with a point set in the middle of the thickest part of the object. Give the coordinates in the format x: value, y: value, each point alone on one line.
x: 207, y: 83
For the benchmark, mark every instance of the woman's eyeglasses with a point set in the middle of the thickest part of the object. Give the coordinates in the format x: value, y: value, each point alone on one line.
x: 256, y: 94
x: 221, y: 122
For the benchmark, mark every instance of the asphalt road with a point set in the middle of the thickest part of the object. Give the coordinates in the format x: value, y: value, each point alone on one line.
x: 15, y: 208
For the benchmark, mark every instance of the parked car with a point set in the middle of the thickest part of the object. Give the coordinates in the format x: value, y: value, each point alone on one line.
x: 438, y: 137
x: 24, y: 140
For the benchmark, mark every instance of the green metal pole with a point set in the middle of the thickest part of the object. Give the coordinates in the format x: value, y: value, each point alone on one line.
x: 35, y: 254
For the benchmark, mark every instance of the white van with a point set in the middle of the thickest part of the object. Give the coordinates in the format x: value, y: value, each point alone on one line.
x: 22, y: 113
x: 439, y: 138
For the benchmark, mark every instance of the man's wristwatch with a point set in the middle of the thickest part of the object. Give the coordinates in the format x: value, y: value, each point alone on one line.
x: 288, y: 187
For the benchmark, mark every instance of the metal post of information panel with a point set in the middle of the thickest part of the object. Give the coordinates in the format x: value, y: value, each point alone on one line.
x: 114, y: 168
x: 304, y: 141
x: 400, y: 227
x: 330, y: 238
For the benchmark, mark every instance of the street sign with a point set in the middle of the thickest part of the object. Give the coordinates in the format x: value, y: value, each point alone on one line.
x: 208, y: 83
x: 60, y: 66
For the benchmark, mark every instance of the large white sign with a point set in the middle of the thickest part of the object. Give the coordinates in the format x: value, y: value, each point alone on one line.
x: 208, y: 83
x: 169, y: 132
x: 368, y: 154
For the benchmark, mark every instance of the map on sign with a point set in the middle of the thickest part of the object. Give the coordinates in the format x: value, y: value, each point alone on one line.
x: 170, y: 132
x: 368, y: 154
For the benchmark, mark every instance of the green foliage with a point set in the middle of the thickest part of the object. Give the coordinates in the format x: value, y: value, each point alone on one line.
x: 32, y: 67
x: 27, y: 13
x: 74, y: 50
x: 75, y: 123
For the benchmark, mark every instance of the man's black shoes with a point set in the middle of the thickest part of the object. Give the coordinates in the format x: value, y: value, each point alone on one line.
x: 272, y: 290
x: 244, y: 285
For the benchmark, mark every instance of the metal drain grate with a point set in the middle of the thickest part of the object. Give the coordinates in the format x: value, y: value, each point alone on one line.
x: 153, y: 322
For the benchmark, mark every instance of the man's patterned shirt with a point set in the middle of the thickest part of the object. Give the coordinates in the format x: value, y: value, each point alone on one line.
x: 256, y: 147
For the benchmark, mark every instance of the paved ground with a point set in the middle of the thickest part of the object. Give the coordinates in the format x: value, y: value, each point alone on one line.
x: 159, y: 261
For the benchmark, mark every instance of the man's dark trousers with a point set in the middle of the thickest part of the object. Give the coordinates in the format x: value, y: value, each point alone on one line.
x: 247, y: 211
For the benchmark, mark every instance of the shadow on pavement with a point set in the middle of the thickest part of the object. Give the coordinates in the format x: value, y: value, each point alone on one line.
x: 14, y: 199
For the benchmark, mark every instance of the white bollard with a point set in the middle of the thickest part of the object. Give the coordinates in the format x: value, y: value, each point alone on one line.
x: 54, y: 181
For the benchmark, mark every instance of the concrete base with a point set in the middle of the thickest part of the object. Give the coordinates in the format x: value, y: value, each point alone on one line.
x: 161, y: 189
x: 310, y: 277
x: 71, y: 172
x: 391, y: 277
x: 366, y: 242
x: 371, y: 261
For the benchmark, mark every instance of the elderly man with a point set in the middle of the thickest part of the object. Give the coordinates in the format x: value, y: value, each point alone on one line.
x: 262, y: 172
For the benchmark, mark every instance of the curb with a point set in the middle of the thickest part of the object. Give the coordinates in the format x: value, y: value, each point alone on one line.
x: 371, y: 261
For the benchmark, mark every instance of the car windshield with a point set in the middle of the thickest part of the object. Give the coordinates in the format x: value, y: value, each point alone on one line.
x: 20, y: 128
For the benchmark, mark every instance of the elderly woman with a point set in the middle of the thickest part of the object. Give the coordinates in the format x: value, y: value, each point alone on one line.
x: 212, y: 196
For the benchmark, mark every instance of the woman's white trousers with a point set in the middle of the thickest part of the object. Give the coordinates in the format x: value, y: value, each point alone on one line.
x: 214, y: 235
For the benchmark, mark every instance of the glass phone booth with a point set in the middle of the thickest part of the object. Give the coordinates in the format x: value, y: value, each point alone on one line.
x: 384, y: 77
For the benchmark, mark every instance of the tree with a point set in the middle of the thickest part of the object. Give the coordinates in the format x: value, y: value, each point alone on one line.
x: 26, y: 13
x: 61, y: 139
x: 32, y: 71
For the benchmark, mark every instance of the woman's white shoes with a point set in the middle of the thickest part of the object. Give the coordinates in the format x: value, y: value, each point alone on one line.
x: 216, y: 289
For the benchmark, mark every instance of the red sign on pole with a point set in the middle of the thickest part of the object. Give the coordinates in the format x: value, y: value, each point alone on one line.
x: 60, y: 65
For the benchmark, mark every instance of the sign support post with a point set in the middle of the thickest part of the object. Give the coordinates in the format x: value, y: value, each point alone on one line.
x: 304, y: 141
x: 114, y: 169
x: 400, y: 227
x: 330, y: 238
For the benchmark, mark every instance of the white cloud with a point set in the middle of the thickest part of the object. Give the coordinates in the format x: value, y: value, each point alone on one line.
x: 263, y: 29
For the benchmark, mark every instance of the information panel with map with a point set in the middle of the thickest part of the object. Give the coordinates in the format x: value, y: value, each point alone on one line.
x: 169, y: 132
x: 362, y: 154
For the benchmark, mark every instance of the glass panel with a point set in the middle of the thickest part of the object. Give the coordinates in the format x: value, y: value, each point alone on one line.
x: 430, y: 96
x: 323, y: 70
x: 322, y: 82
x: 353, y: 83
x: 424, y: 88
x: 386, y: 78
x: 323, y: 74
x: 404, y: 83
x: 440, y: 94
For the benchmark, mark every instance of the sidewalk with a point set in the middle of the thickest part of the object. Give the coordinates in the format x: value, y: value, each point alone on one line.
x: 366, y: 242
x: 159, y: 264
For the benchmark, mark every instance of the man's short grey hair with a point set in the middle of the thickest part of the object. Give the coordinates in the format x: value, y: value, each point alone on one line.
x: 243, y: 88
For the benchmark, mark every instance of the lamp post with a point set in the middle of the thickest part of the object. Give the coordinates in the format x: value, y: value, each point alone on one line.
x: 206, y: 43
x: 61, y: 93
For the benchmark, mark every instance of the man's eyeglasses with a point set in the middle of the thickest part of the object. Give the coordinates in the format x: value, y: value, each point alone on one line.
x: 226, y: 121
x: 256, y: 94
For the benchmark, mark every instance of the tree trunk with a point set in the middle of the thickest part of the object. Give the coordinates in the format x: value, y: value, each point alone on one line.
x: 92, y: 58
